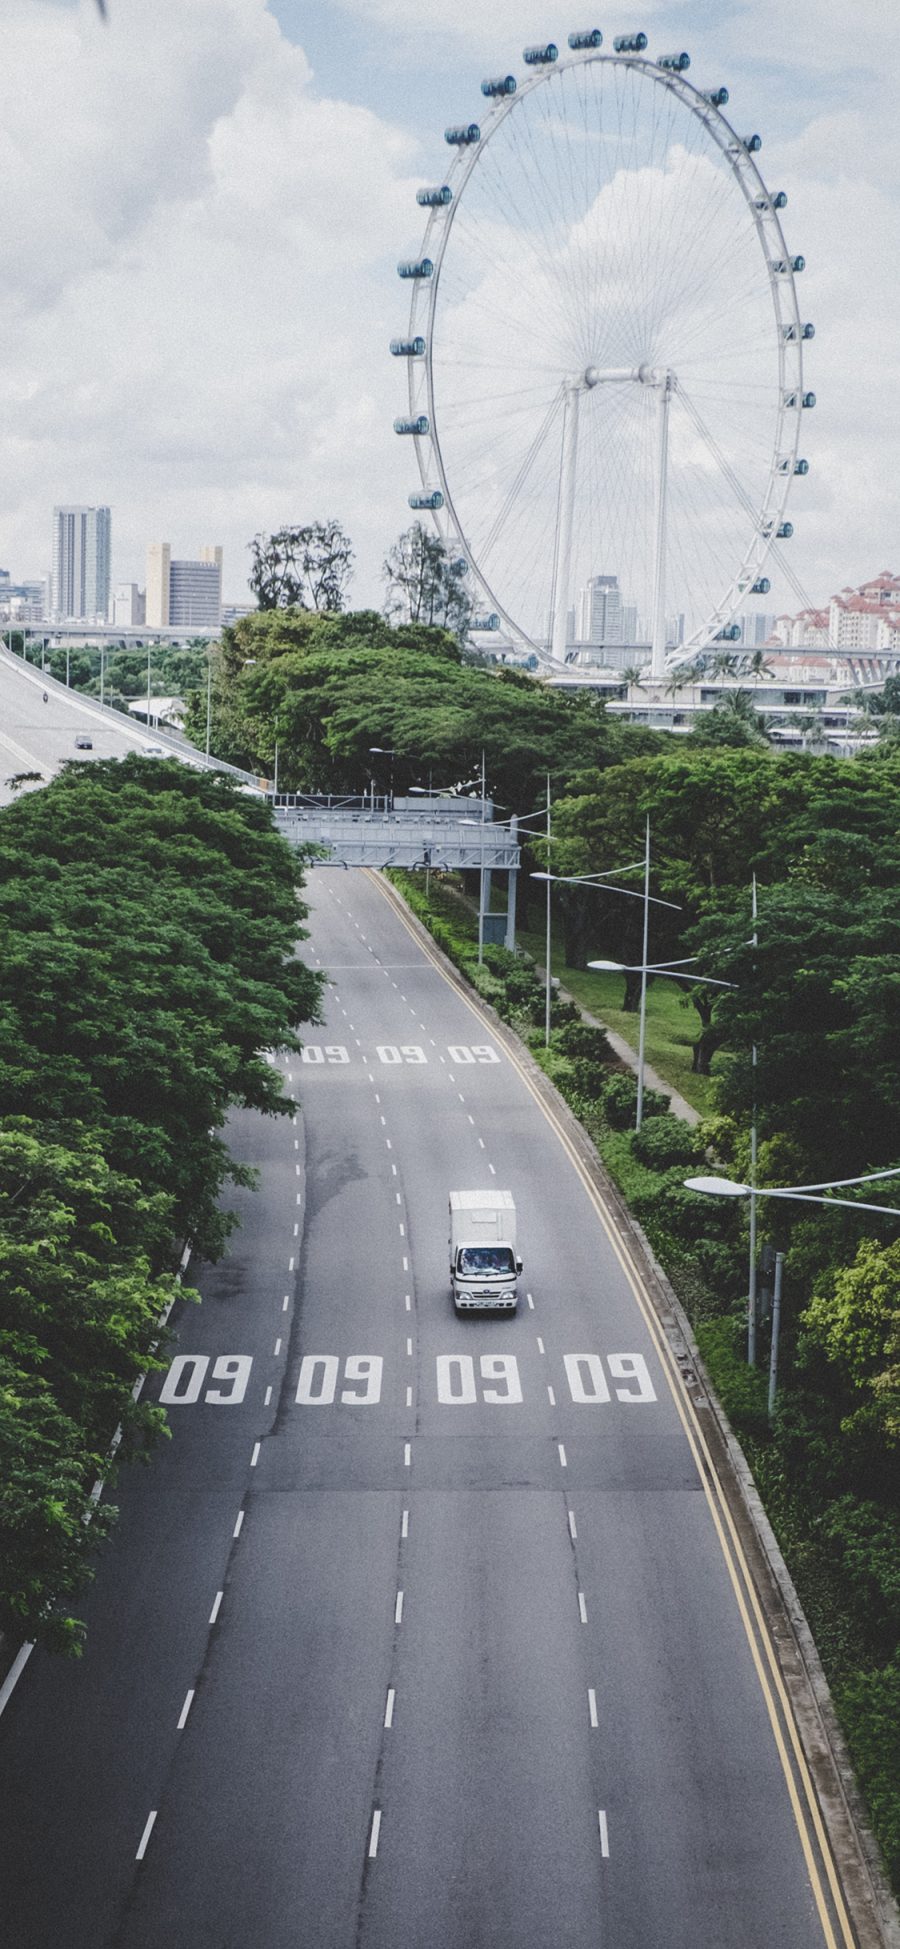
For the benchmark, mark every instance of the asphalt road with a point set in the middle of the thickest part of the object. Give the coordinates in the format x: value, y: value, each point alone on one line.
x: 421, y: 1632
x: 40, y: 737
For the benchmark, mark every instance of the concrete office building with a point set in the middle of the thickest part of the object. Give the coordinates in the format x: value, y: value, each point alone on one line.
x: 128, y: 605
x: 80, y: 564
x: 182, y: 595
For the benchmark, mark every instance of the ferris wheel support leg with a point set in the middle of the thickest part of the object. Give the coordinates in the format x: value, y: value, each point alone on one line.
x: 658, y: 641
x: 565, y: 513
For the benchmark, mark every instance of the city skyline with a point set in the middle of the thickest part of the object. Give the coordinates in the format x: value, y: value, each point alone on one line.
x: 277, y: 157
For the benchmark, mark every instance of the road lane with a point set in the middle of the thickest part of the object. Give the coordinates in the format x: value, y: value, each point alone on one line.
x: 491, y: 1533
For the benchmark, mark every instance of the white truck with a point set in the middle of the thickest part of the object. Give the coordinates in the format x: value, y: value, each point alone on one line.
x: 484, y: 1267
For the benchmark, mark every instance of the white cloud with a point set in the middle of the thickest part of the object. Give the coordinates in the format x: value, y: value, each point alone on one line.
x: 198, y: 292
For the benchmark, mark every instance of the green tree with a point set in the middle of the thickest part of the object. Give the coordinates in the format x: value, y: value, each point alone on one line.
x: 302, y: 568
x: 423, y: 584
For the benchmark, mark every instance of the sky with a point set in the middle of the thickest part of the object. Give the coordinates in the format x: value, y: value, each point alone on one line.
x: 205, y: 202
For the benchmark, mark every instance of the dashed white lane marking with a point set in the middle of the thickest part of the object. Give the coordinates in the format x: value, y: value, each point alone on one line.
x: 377, y: 1097
x: 285, y: 1302
x: 562, y: 1455
x: 299, y: 1197
x: 409, y: 1348
x: 552, y: 1397
x: 296, y: 1228
x: 290, y: 1265
x: 403, y: 1227
x: 604, y: 1836
x: 423, y: 1028
x: 481, y: 1143
x: 393, y: 1170
x: 407, y: 1454
x: 276, y: 1349
x: 442, y: 1059
x: 407, y: 1301
x: 357, y: 1041
x: 404, y: 1523
x: 387, y: 1140
x: 572, y: 1530
x: 239, y: 1524
x: 268, y: 1397
x: 389, y: 1707
x: 492, y: 1170
x: 142, y: 1848
x: 398, y: 1198
x: 582, y: 1607
x: 592, y: 1706
x: 382, y: 1120
x: 296, y: 1140
x: 373, y: 1837
x: 540, y: 1344
x: 406, y: 1265
x: 215, y: 1609
x: 462, y: 1099
x: 184, y: 1712
x: 297, y: 1169
x: 530, y: 1301
x: 398, y: 1608
x: 255, y: 1456
x: 409, y: 1397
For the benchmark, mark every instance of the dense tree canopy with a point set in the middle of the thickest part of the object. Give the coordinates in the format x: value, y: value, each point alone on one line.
x: 150, y: 917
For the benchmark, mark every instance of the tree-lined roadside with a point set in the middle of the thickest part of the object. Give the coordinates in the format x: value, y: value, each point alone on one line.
x: 150, y: 917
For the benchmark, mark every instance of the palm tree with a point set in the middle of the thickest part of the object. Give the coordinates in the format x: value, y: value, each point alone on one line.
x: 756, y: 666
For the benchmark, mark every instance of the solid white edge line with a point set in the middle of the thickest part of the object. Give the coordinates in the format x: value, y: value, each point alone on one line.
x: 188, y: 1702
x: 15, y: 1672
x: 373, y: 1837
x: 142, y: 1847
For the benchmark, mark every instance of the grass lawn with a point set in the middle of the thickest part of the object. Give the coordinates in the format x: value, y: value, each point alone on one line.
x: 672, y: 1027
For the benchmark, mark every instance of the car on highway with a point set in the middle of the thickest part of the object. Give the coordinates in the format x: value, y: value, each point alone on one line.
x: 83, y: 742
x: 152, y: 751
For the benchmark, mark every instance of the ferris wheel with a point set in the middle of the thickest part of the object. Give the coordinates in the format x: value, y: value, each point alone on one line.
x: 605, y: 353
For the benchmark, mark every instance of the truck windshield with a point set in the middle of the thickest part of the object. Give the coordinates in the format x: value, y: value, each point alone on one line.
x: 485, y: 1259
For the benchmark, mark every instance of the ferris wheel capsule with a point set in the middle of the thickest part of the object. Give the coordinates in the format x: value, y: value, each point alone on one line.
x: 462, y: 136
x: 717, y: 97
x: 784, y: 530
x: 630, y: 43
x: 416, y: 267
x: 809, y: 399
x: 490, y: 622
x: 539, y: 57
x: 801, y: 466
x: 678, y: 63
x: 591, y: 37
x: 418, y: 426
x: 428, y: 503
x: 752, y: 144
x: 504, y: 84
x: 408, y: 348
x: 432, y: 199
x: 761, y: 587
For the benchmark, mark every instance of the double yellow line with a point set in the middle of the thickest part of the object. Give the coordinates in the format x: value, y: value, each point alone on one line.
x: 806, y: 1809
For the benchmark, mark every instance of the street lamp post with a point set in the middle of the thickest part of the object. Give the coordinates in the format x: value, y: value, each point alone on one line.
x: 385, y: 751
x: 600, y: 883
x: 804, y: 1194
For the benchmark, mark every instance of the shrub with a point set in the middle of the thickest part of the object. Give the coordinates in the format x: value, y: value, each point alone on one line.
x: 667, y: 1140
x: 582, y: 1040
x: 620, y: 1102
x: 870, y: 1708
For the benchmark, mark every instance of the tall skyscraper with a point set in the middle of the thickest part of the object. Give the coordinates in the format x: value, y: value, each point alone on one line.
x: 81, y: 558
x: 183, y: 595
x: 600, y: 613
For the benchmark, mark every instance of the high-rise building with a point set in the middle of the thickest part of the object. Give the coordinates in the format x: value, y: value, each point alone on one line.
x: 80, y: 564
x: 159, y: 560
x: 183, y: 595
x: 600, y: 610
